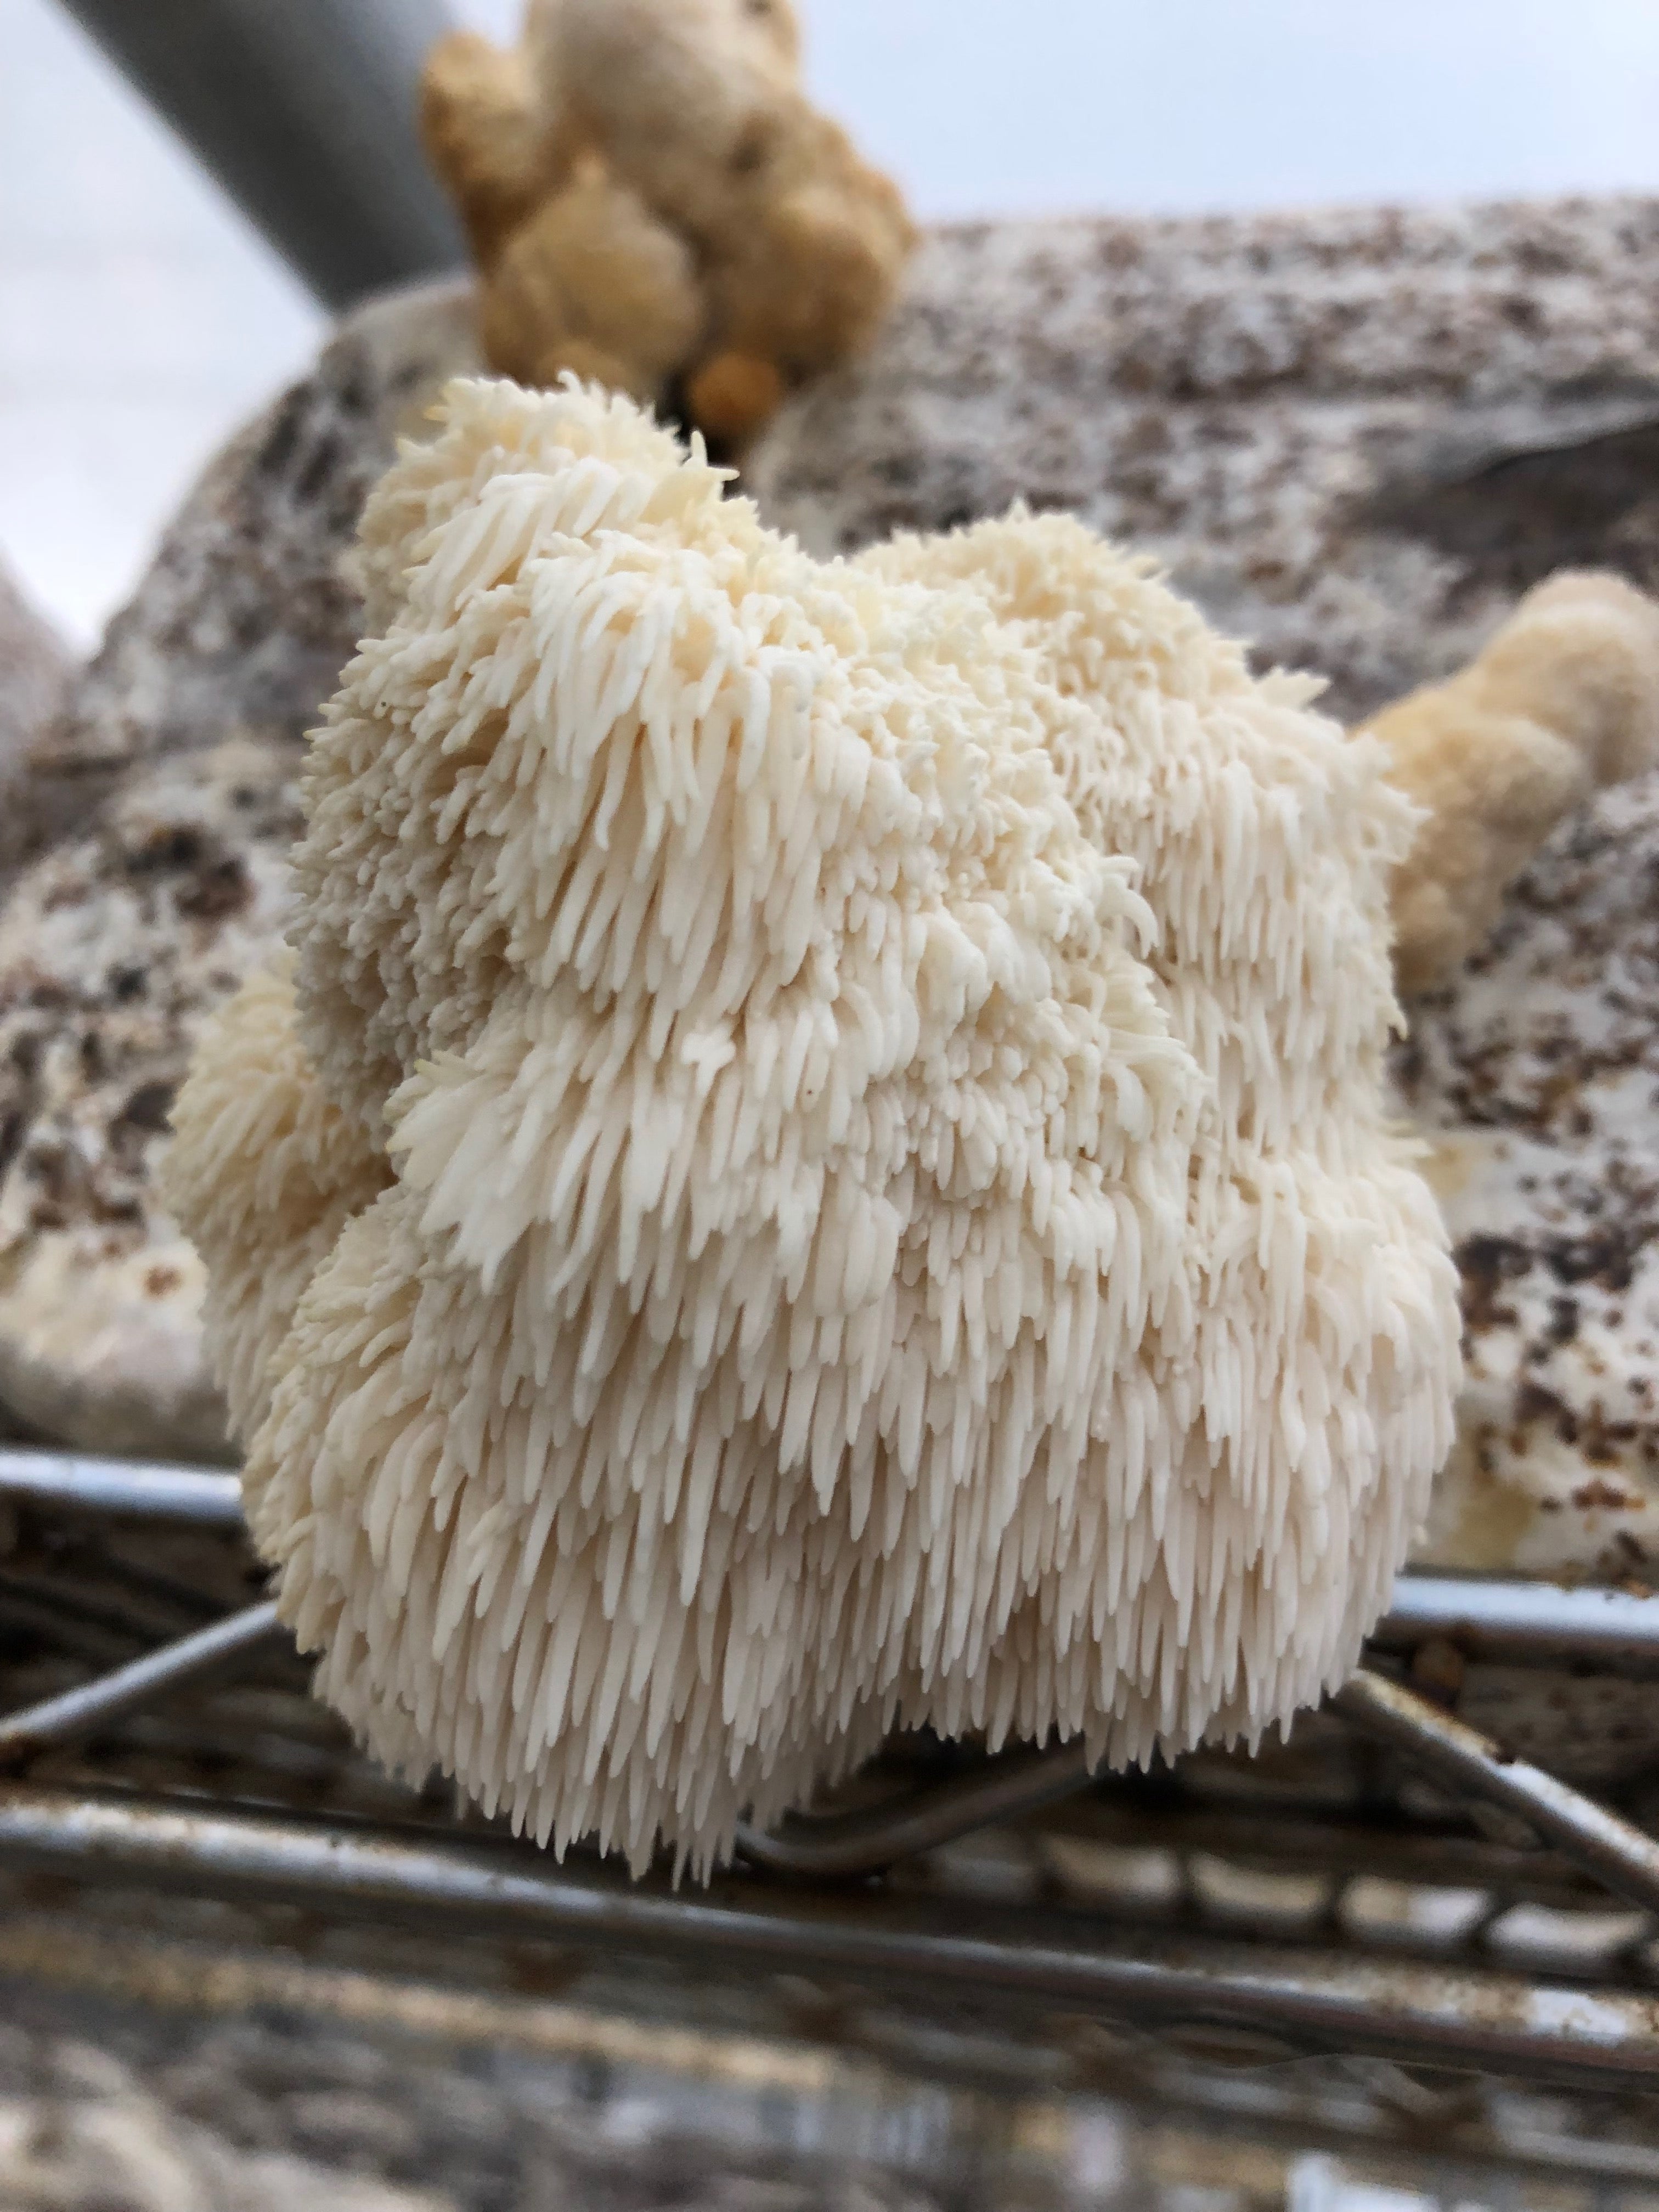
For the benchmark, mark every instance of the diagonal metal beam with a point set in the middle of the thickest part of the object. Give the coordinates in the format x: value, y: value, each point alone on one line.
x: 1617, y: 1854
x: 304, y: 111
x: 840, y: 1846
x: 55, y: 1722
x: 1606, y: 1847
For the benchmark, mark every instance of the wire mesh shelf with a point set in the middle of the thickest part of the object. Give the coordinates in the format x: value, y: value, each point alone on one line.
x: 1442, y: 1888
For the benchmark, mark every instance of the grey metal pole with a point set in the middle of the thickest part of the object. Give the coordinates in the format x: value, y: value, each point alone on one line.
x: 193, y: 1659
x: 304, y: 111
x: 132, y: 1489
x: 1604, y: 1844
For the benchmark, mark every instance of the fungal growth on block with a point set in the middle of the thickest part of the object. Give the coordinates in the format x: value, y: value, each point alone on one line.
x: 1562, y: 702
x: 819, y: 1161
x: 654, y: 203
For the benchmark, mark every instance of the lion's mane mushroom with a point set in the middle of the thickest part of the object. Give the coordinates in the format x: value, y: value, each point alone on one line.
x: 1561, y: 703
x: 654, y: 203
x: 843, y: 1102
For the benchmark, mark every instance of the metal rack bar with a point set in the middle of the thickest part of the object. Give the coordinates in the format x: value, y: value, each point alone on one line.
x: 1486, y: 1617
x: 847, y: 1844
x: 130, y: 1489
x: 1619, y: 1856
x: 1301, y: 2001
x: 1491, y: 1616
x: 304, y: 112
x: 1616, y: 1854
x: 1496, y: 1619
x: 57, y: 1722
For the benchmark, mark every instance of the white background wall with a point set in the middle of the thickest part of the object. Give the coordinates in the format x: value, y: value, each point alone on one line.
x: 140, y: 319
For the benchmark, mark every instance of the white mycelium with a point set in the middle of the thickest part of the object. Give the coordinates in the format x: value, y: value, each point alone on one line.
x: 871, y: 1074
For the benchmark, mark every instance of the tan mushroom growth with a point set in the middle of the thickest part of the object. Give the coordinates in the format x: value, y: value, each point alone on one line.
x: 830, y: 1118
x: 654, y: 203
x: 1564, y: 701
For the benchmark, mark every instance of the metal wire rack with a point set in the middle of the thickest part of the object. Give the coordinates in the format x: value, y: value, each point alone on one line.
x: 1446, y: 1873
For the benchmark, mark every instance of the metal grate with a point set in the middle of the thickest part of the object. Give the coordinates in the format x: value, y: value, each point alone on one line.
x: 1365, y: 1915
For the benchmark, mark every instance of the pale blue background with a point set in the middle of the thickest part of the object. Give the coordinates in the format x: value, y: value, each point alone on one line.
x: 139, y: 319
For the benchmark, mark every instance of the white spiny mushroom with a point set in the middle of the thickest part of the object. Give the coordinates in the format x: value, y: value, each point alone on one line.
x: 847, y: 1180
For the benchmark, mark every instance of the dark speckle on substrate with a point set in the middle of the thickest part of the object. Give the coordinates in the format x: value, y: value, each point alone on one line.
x: 1486, y: 1265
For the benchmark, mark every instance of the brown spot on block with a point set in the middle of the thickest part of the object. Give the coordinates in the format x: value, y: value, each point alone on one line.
x: 218, y: 892
x: 1601, y: 1496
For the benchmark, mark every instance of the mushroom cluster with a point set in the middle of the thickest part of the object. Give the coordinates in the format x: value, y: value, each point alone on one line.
x: 1561, y: 703
x: 819, y: 1160
x: 654, y: 203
